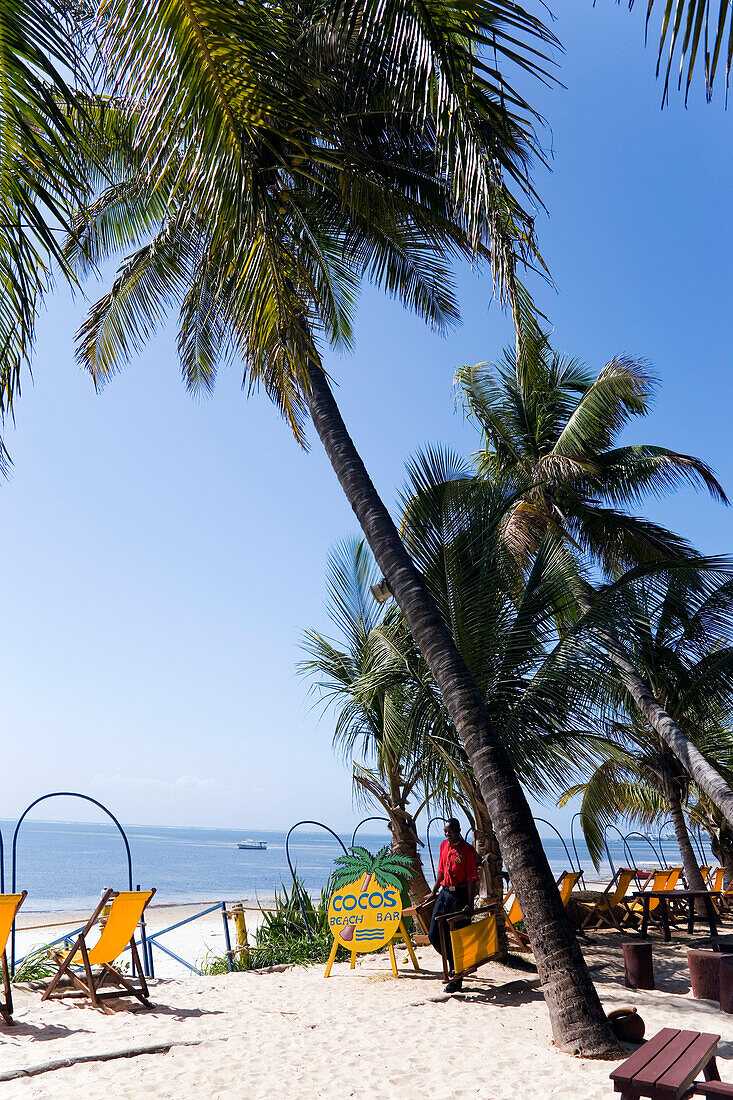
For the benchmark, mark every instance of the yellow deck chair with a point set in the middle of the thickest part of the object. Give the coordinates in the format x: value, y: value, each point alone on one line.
x: 565, y: 883
x: 664, y: 878
x: 604, y: 908
x: 9, y: 906
x: 125, y: 913
x: 716, y: 879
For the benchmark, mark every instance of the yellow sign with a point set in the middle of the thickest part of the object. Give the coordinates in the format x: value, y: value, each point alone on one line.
x: 364, y: 916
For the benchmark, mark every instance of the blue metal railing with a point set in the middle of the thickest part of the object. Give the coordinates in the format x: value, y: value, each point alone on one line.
x: 154, y: 940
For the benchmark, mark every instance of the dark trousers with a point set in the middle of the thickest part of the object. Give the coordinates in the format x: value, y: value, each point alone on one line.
x: 447, y: 902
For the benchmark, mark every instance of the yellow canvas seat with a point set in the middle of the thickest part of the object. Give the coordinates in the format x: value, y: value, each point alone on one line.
x: 125, y: 913
x: 603, y: 909
x: 565, y: 883
x: 665, y: 878
x: 716, y: 880
x: 9, y: 906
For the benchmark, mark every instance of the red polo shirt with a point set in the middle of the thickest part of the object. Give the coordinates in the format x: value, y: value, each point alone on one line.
x: 457, y: 865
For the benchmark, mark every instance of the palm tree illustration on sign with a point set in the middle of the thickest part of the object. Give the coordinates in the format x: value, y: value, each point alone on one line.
x: 386, y: 868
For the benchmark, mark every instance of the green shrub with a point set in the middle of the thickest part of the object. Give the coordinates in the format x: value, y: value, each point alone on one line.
x: 282, y: 937
x: 36, y: 966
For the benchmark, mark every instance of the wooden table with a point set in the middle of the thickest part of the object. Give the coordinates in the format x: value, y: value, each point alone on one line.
x: 665, y: 1067
x: 688, y: 896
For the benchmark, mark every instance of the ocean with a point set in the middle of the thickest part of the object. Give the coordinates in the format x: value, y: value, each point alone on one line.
x: 65, y: 865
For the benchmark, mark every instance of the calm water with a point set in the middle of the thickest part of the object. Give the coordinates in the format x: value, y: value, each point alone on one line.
x: 65, y: 865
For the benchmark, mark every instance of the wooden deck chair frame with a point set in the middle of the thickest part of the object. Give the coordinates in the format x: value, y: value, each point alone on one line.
x: 422, y: 915
x: 604, y: 906
x: 566, y: 883
x: 90, y: 985
x: 445, y: 924
x: 6, y: 1006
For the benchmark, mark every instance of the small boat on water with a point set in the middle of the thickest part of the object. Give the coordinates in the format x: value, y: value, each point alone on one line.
x: 253, y: 845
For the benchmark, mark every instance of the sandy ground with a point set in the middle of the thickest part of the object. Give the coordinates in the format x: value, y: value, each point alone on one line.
x: 358, y: 1034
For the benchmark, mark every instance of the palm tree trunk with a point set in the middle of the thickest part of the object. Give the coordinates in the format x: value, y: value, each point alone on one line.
x: 405, y: 841
x: 578, y: 1022
x: 487, y: 846
x: 693, y: 874
x: 707, y: 778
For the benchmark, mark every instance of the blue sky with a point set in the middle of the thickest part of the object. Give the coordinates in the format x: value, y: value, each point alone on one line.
x: 161, y: 557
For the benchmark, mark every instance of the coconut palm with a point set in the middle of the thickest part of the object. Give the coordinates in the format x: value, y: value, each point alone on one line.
x: 550, y: 434
x: 298, y: 147
x: 693, y: 33
x: 40, y: 175
x: 504, y: 624
x: 677, y: 629
x: 362, y: 674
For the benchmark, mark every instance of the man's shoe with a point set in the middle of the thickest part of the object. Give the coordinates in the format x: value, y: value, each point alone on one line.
x: 455, y: 985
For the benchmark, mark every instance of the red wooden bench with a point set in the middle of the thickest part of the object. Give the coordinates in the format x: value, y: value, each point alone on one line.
x: 665, y: 1068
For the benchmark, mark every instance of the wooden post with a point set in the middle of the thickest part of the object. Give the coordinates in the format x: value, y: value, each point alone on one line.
x: 704, y: 973
x: 638, y: 964
x: 240, y: 929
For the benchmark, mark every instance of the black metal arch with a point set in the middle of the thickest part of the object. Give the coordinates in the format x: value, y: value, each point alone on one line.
x: 697, y: 833
x: 21, y: 819
x: 650, y: 842
x: 581, y: 814
x: 543, y: 821
x: 427, y: 839
x: 660, y: 840
x: 363, y: 822
x: 290, y: 865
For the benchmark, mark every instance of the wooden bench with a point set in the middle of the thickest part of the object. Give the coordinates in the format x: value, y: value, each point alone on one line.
x: 665, y: 1067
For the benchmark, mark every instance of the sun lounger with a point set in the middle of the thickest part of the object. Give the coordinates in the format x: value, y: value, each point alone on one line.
x: 603, y: 909
x: 125, y: 913
x: 566, y: 883
x: 664, y: 878
x: 9, y: 906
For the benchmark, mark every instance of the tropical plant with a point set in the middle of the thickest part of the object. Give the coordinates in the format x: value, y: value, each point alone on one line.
x: 677, y: 629
x: 367, y: 683
x: 294, y: 932
x: 42, y: 122
x: 550, y: 435
x: 36, y: 966
x: 695, y: 33
x: 297, y: 147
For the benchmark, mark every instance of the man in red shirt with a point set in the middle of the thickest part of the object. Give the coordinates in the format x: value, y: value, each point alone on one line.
x: 455, y: 888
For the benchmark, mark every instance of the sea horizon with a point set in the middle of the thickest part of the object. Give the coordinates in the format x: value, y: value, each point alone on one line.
x: 64, y: 865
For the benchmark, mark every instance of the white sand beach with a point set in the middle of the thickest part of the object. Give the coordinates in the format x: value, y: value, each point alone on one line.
x: 358, y: 1034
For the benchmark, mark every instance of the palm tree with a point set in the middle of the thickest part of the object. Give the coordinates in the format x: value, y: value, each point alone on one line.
x: 504, y: 623
x: 43, y: 125
x: 297, y: 147
x: 363, y: 676
x: 677, y: 629
x: 693, y: 33
x: 550, y: 434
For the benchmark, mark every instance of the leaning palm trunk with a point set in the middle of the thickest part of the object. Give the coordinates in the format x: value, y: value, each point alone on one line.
x: 577, y: 1019
x: 491, y: 883
x: 705, y: 776
x: 693, y: 874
